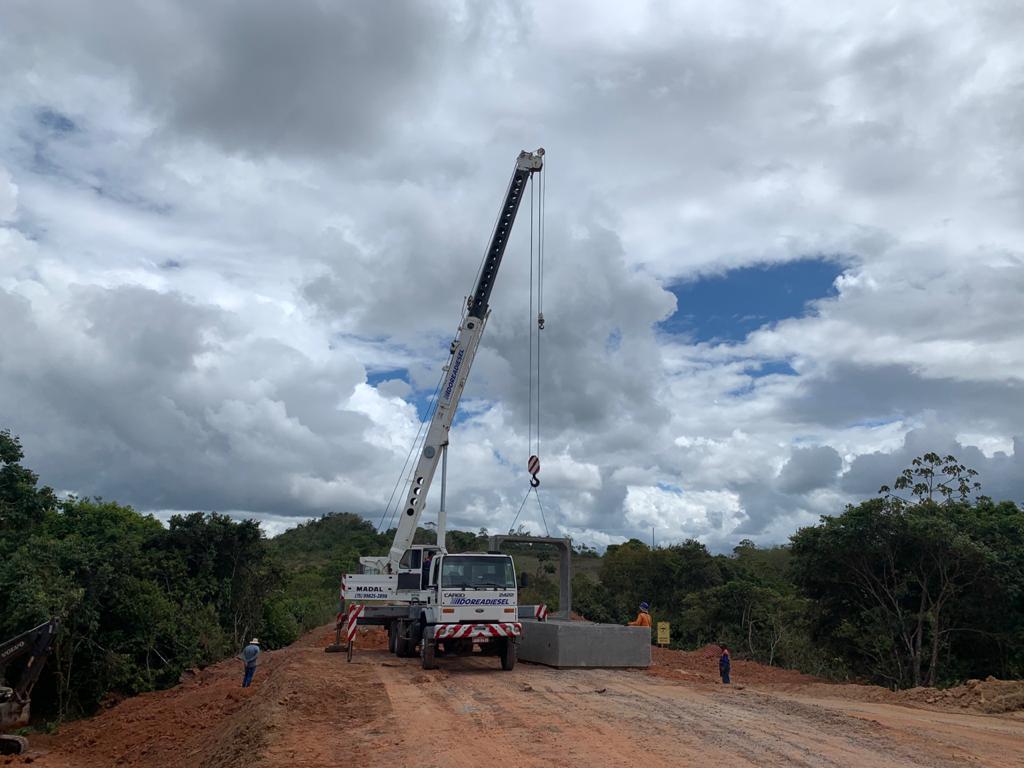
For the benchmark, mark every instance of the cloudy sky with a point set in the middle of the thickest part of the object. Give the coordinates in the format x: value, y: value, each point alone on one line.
x: 784, y: 254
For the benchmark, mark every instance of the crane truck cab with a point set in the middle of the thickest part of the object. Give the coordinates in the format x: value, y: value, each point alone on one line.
x: 442, y: 604
x: 474, y: 605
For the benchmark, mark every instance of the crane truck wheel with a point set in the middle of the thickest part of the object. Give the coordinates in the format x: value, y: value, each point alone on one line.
x: 392, y: 637
x: 402, y: 647
x: 508, y: 654
x: 405, y: 646
x: 427, y: 648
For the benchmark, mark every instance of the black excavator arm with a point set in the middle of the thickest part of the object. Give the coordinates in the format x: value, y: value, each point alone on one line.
x: 28, y: 652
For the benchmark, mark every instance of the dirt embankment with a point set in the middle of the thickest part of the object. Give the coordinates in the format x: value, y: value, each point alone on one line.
x: 989, y: 696
x: 701, y: 667
x: 209, y: 720
x: 309, y: 709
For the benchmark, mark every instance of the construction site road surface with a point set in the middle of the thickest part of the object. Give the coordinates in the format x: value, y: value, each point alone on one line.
x: 309, y: 709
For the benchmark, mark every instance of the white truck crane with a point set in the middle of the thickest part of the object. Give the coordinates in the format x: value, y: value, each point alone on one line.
x: 448, y: 604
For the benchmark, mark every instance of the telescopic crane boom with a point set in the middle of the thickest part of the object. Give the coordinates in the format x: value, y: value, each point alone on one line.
x: 462, y: 352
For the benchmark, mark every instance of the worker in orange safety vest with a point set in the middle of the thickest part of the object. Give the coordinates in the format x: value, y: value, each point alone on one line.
x: 643, y: 619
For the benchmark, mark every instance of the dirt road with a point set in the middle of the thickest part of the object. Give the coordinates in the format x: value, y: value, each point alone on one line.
x: 309, y: 709
x: 595, y: 718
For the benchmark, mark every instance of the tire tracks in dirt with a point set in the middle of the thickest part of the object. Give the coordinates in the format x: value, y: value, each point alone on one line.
x: 469, y: 713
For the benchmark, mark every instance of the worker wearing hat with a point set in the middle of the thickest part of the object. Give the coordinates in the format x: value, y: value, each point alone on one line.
x: 250, y: 657
x: 643, y: 618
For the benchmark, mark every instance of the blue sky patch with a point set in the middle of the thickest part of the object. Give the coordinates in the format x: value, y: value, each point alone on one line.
x: 423, y: 401
x: 421, y: 398
x: 771, y: 368
x: 373, y: 378
x: 723, y: 308
x: 54, y: 121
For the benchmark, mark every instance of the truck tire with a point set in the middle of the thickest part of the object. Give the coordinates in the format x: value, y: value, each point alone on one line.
x: 406, y: 640
x: 392, y: 637
x: 509, y: 654
x: 403, y: 647
x: 427, y: 648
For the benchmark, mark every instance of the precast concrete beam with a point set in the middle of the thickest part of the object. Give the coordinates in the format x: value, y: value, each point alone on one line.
x: 568, y: 644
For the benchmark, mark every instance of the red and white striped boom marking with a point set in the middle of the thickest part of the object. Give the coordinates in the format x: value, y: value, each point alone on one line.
x: 477, y: 631
x: 354, y: 612
x: 540, y: 613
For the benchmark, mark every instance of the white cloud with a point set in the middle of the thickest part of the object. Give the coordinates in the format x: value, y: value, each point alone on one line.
x: 8, y: 196
x: 675, y: 514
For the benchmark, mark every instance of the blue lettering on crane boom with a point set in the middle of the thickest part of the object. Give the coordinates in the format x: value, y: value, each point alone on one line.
x: 453, y: 377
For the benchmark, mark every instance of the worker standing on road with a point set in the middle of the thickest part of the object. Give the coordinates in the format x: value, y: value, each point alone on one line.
x: 250, y: 657
x: 724, y: 665
x: 643, y: 619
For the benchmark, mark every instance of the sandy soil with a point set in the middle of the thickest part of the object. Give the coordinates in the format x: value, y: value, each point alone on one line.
x: 308, y: 708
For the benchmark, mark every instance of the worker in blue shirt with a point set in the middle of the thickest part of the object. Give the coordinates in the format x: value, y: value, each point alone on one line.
x: 250, y: 657
x: 724, y: 664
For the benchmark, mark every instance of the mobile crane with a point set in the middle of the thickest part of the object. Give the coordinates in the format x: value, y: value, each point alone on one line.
x: 30, y: 649
x: 451, y: 604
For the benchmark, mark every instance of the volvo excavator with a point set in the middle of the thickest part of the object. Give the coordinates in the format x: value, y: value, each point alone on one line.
x: 25, y: 654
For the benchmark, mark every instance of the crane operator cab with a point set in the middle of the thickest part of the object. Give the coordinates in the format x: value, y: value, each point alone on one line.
x: 414, y: 567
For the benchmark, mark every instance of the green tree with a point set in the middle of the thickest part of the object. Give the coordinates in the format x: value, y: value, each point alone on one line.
x: 890, y: 575
x: 23, y: 505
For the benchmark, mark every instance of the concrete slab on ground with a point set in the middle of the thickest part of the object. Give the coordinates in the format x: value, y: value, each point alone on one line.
x: 566, y: 644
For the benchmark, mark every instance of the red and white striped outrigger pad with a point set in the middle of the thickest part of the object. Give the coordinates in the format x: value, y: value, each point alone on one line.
x: 540, y: 613
x: 354, y: 612
x: 475, y: 631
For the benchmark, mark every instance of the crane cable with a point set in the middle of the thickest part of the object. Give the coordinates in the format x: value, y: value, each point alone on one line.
x: 537, y: 216
x: 542, y: 184
x: 407, y: 468
x: 533, y: 432
x: 405, y: 474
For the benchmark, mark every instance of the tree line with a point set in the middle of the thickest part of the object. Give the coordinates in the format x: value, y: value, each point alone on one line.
x: 140, y: 601
x: 920, y: 586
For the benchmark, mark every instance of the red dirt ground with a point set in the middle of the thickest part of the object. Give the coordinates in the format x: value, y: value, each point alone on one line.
x: 989, y: 696
x: 701, y: 666
x: 310, y: 709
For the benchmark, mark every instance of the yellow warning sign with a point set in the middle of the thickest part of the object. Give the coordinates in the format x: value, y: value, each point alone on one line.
x: 663, y: 633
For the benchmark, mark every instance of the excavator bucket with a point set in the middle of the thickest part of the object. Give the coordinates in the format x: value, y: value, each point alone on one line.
x: 12, y: 715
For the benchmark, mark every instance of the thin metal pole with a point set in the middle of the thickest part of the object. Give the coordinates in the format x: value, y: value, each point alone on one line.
x: 442, y: 518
